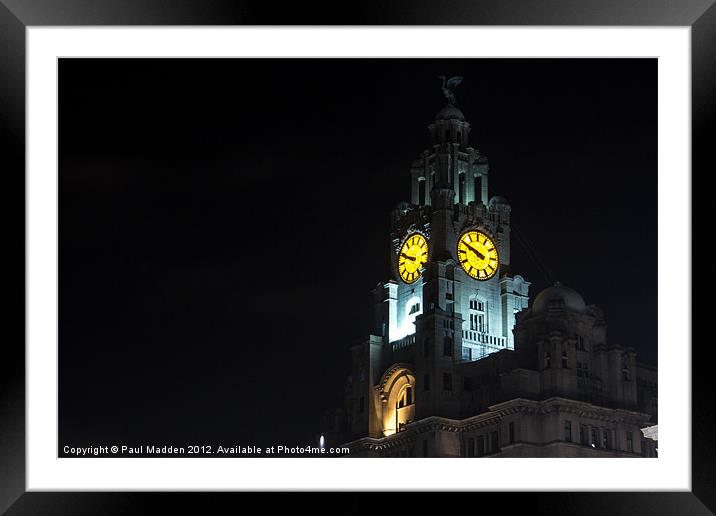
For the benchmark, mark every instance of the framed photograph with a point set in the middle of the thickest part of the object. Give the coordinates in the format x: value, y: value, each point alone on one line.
x: 255, y: 240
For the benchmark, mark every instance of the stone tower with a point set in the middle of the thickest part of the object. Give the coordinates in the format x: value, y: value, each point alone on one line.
x: 449, y: 195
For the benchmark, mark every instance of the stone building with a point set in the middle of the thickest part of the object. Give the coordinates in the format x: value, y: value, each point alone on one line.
x: 458, y: 364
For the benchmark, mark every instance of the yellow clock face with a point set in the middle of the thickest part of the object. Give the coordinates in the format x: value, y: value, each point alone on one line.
x: 412, y: 256
x: 478, y: 255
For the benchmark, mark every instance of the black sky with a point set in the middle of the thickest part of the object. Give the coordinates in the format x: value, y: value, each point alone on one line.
x: 207, y: 292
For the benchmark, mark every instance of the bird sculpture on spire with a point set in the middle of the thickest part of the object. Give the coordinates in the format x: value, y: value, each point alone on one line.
x: 448, y: 87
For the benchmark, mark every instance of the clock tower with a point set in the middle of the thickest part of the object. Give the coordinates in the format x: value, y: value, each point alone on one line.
x: 451, y: 300
x: 465, y: 276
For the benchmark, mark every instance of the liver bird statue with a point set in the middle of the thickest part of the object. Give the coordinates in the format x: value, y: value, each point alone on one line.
x: 448, y: 88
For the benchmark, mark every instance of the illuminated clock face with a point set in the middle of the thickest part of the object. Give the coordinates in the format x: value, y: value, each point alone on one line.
x: 478, y: 255
x: 412, y: 256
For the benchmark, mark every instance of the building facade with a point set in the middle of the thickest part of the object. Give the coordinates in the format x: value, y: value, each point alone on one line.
x: 458, y: 364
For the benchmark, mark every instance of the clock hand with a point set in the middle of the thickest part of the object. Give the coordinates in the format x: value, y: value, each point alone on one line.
x: 478, y: 253
x: 411, y: 258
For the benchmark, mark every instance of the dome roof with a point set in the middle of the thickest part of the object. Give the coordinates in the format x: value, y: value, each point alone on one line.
x: 498, y: 200
x: 559, y: 296
x: 449, y: 112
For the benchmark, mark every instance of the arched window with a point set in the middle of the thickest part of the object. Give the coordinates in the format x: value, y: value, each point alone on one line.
x: 421, y: 191
x: 547, y: 359
x: 406, y: 396
x: 477, y: 185
x: 398, y: 393
x: 413, y: 308
x: 564, y: 360
x: 450, y: 274
x: 404, y: 410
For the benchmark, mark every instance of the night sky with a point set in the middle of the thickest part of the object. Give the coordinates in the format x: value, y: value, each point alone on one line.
x: 222, y: 223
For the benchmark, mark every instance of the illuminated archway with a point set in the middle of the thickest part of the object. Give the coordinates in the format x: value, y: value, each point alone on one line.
x: 397, y: 393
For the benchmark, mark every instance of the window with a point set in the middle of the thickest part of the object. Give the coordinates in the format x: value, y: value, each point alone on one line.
x: 625, y: 374
x: 467, y: 383
x: 447, y: 382
x: 481, y: 445
x: 565, y: 361
x: 630, y: 442
x: 511, y: 428
x: 547, y: 359
x: 361, y: 405
x: 461, y: 185
x: 477, y: 305
x: 568, y: 430
x: 595, y: 437
x: 494, y: 442
x: 406, y: 397
x: 478, y: 188
x: 477, y: 321
x: 447, y: 346
x: 426, y: 382
x: 466, y: 353
x: 583, y: 435
x: 471, y: 447
x: 556, y: 304
x: 421, y: 191
x: 415, y: 307
x: 607, y: 439
x: 580, y: 343
x: 582, y: 370
x: 426, y: 347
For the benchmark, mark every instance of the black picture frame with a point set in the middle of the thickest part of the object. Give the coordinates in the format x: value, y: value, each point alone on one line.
x: 17, y: 15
